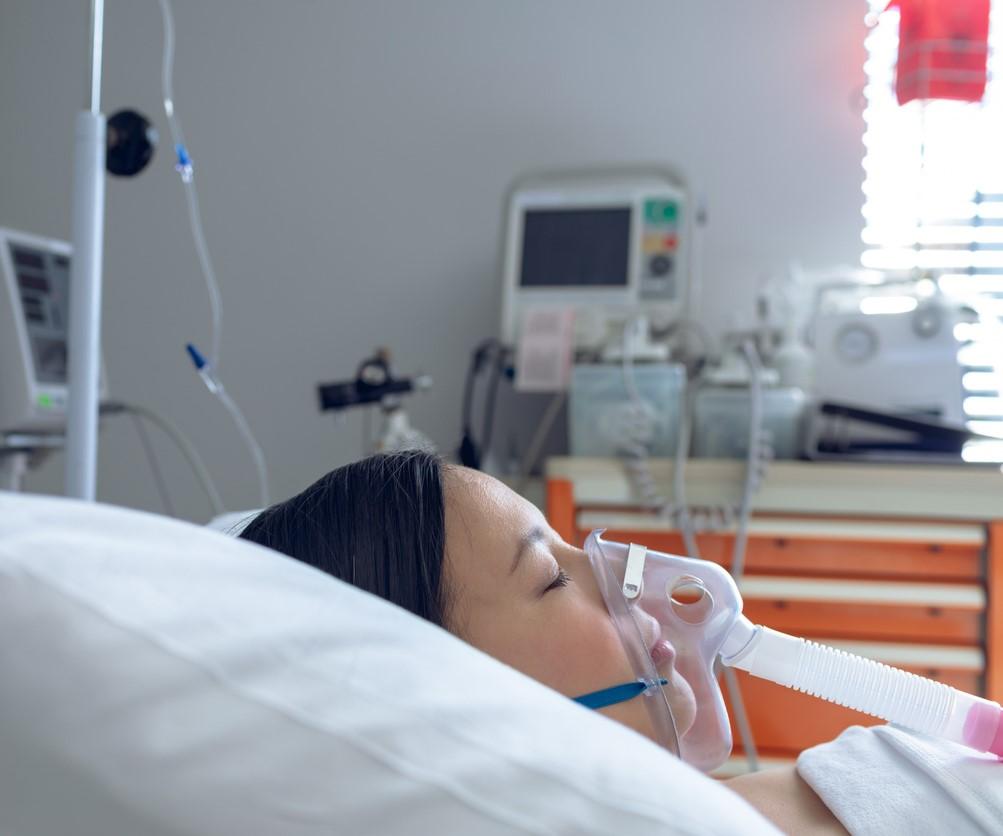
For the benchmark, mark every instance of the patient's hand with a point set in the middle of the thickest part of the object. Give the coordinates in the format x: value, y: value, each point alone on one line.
x: 786, y: 800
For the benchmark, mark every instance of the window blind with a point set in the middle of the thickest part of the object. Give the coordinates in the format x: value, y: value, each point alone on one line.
x: 933, y: 207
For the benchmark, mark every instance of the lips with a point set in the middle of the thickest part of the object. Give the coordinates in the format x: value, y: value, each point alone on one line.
x: 663, y: 654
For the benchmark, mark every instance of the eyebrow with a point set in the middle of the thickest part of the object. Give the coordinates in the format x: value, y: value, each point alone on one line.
x: 534, y: 535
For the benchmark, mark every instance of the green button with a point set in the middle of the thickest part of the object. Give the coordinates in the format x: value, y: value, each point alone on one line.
x: 660, y: 211
x: 45, y: 401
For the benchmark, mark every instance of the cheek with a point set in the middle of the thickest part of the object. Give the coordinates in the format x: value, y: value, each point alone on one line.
x: 583, y: 652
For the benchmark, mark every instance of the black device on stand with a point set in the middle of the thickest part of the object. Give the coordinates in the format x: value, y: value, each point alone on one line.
x: 847, y: 431
x: 373, y: 383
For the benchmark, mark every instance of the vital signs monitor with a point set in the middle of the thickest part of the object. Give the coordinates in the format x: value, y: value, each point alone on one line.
x: 609, y: 245
x: 34, y: 315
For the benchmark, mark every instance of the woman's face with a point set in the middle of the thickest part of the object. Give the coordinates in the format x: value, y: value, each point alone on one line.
x: 521, y: 594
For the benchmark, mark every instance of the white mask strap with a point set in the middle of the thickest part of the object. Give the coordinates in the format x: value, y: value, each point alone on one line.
x: 633, y: 577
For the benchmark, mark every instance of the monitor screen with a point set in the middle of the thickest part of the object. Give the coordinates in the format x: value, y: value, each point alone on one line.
x: 43, y: 284
x: 575, y: 247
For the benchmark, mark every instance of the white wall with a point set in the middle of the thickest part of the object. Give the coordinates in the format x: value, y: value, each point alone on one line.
x: 351, y: 157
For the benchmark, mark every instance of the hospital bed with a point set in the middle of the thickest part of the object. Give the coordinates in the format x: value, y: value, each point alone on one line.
x: 161, y: 678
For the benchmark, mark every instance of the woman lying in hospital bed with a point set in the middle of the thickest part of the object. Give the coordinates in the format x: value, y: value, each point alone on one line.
x: 461, y: 550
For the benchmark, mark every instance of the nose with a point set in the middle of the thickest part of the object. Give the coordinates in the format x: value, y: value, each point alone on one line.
x: 650, y: 629
x: 577, y: 564
x: 580, y: 567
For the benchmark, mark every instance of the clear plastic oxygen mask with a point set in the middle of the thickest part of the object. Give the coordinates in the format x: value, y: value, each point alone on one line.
x: 679, y: 617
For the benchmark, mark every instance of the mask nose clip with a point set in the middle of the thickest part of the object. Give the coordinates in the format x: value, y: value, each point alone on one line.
x: 633, y: 576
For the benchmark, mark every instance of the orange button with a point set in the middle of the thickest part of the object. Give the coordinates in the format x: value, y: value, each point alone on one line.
x: 653, y: 242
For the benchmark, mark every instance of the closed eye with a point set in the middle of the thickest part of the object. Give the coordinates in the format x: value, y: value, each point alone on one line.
x: 562, y: 579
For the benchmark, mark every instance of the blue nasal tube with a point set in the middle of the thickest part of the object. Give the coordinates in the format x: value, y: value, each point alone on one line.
x: 617, y: 694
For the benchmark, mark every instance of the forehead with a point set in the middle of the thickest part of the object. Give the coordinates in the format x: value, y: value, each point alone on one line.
x: 485, y: 523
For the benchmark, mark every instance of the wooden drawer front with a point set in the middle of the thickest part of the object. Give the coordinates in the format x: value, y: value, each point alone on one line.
x: 862, y: 558
x: 845, y: 558
x: 938, y: 613
x: 812, y: 619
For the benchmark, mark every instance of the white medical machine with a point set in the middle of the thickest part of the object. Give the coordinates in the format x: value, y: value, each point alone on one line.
x: 890, y: 348
x: 34, y: 314
x: 610, y: 245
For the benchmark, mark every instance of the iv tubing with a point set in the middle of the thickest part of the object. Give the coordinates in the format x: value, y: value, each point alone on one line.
x: 183, y: 443
x: 208, y: 369
x: 187, y: 178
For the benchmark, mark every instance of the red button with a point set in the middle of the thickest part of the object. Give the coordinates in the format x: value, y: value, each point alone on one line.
x: 671, y: 242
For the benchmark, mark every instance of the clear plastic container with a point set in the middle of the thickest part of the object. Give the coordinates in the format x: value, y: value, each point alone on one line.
x: 721, y: 422
x: 604, y: 421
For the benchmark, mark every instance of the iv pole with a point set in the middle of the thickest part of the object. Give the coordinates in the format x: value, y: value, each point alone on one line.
x: 85, y: 279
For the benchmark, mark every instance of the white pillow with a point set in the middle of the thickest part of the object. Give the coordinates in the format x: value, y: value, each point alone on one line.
x: 159, y: 678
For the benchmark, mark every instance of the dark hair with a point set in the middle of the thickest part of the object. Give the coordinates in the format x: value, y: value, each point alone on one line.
x: 379, y: 524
